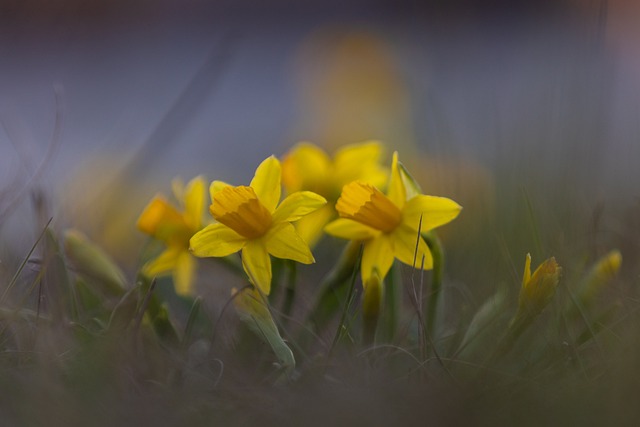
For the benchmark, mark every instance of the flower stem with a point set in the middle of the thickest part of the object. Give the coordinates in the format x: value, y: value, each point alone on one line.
x: 289, y: 290
x: 391, y: 305
x: 341, y: 325
x: 371, y: 306
x: 328, y: 301
x: 435, y: 246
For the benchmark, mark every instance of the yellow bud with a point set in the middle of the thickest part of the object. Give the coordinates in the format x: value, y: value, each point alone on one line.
x: 251, y: 305
x: 93, y: 263
x: 538, y: 288
x: 602, y: 272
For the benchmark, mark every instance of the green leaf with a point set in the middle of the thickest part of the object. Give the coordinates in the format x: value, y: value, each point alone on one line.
x: 480, y: 325
x: 124, y: 312
x: 254, y: 312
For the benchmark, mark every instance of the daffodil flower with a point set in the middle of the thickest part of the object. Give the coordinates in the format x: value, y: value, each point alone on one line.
x: 538, y: 288
x: 308, y: 167
x: 163, y: 221
x: 535, y: 294
x: 389, y: 225
x: 250, y: 220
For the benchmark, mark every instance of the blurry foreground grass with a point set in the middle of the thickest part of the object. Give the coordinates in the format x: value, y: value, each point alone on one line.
x: 475, y: 340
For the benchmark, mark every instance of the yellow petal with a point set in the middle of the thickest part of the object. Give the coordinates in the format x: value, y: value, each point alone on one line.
x: 194, y: 196
x: 216, y: 240
x: 282, y: 241
x: 377, y: 254
x: 257, y: 264
x: 164, y: 263
x: 183, y: 274
x: 396, y: 190
x: 350, y: 229
x: 526, y: 276
x: 215, y: 187
x: 163, y: 221
x: 405, y: 240
x: 177, y: 186
x: 310, y: 227
x: 266, y: 183
x: 354, y: 155
x: 305, y: 167
x: 297, y: 205
x: 360, y: 162
x: 435, y: 211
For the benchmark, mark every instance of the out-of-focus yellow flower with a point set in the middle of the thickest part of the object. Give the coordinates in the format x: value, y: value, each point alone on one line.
x: 351, y: 87
x: 307, y: 167
x: 603, y: 271
x: 537, y: 288
x: 390, y: 225
x: 250, y: 219
x: 174, y: 228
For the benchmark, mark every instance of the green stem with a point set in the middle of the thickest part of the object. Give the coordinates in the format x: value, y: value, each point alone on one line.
x: 328, y: 301
x: 290, y: 290
x: 392, y: 291
x: 371, y: 306
x: 341, y: 326
x: 435, y: 246
x: 191, y: 321
x: 516, y: 327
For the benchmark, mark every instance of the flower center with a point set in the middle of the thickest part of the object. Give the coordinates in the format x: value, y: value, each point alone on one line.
x: 239, y: 209
x: 366, y: 204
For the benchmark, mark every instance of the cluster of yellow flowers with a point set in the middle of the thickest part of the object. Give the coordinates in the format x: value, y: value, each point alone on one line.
x: 340, y: 196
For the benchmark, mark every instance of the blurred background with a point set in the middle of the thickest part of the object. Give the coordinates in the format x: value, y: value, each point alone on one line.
x: 516, y: 109
x: 526, y: 112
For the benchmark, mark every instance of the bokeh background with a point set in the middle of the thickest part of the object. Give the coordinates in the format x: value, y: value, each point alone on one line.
x: 527, y: 113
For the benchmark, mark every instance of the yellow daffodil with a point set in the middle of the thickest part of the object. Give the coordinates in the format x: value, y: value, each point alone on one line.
x: 390, y: 225
x: 250, y: 219
x: 308, y: 167
x: 538, y: 288
x: 163, y: 221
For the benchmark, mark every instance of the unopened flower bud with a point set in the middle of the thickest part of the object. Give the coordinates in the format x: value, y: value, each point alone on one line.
x: 538, y: 288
